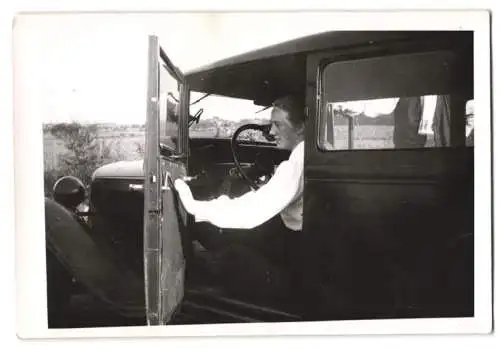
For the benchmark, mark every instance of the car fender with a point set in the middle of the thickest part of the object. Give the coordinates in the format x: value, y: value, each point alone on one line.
x: 90, y: 264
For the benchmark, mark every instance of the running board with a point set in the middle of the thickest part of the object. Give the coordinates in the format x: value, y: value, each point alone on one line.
x: 226, y: 309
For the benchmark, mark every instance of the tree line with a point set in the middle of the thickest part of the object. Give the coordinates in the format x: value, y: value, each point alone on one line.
x: 82, y: 152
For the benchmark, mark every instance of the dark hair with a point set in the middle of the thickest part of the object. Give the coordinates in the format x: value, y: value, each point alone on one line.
x: 294, y: 106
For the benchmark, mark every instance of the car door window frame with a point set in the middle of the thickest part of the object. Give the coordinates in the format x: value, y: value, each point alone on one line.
x: 316, y: 62
x: 323, y: 59
x: 182, y: 130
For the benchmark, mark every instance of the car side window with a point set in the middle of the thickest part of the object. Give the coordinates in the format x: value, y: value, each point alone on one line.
x: 393, y: 102
x: 169, y: 108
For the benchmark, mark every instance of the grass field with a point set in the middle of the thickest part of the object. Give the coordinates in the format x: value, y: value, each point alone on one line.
x: 365, y: 137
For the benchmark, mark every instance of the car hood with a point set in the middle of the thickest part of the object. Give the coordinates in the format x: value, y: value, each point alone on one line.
x: 120, y: 169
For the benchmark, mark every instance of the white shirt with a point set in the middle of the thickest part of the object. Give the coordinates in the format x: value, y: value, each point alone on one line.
x: 282, y: 194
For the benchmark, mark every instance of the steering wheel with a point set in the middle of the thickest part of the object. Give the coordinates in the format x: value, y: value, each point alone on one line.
x: 234, y: 146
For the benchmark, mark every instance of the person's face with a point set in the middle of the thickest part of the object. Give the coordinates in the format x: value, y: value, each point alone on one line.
x: 286, y: 134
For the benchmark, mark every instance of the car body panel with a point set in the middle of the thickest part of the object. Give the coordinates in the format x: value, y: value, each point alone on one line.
x: 391, y: 224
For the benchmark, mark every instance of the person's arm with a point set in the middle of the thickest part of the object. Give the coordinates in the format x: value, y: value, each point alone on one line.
x: 380, y: 107
x: 372, y: 108
x: 252, y: 208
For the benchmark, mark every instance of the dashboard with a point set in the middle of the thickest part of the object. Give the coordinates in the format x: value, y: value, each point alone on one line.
x: 212, y: 165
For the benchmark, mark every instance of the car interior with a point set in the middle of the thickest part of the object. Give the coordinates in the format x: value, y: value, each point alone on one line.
x: 215, y: 257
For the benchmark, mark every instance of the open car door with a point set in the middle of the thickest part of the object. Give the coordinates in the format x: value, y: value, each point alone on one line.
x: 164, y: 161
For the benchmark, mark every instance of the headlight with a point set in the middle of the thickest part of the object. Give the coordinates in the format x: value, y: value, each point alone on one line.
x: 69, y: 191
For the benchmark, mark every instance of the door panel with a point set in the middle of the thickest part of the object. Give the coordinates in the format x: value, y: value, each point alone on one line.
x: 164, y: 162
x: 172, y: 267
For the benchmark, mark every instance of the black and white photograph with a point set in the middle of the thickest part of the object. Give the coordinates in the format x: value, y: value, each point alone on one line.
x: 272, y: 168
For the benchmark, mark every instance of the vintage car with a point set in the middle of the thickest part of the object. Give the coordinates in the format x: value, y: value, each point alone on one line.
x: 388, y: 217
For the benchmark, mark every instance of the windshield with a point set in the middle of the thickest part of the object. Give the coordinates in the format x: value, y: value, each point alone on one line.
x: 221, y: 116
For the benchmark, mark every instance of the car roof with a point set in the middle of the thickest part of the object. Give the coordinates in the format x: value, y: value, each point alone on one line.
x: 280, y: 69
x: 300, y: 45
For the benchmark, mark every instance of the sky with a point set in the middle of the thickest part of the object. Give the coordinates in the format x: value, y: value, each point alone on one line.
x: 93, y: 67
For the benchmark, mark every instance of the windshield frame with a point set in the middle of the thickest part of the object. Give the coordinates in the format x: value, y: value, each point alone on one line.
x: 226, y: 126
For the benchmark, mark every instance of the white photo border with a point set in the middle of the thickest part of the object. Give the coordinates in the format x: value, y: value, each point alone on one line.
x: 29, y: 209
